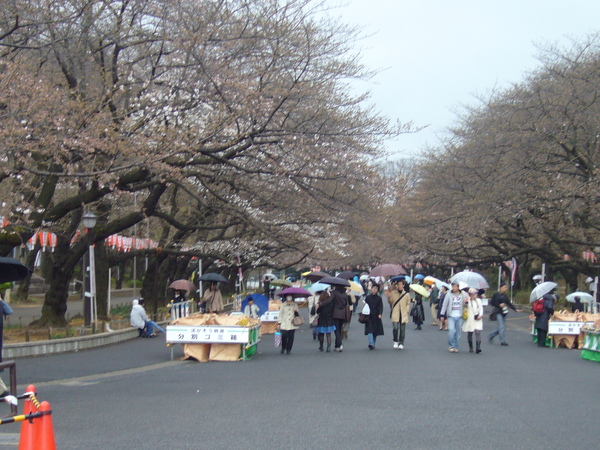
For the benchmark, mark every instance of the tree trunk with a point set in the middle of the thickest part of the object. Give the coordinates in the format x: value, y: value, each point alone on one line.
x: 153, y: 287
x: 23, y: 289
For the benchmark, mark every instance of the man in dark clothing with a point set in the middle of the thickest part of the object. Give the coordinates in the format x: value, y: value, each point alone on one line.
x: 501, y: 303
x: 541, y: 319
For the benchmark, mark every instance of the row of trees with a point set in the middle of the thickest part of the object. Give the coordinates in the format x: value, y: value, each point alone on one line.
x: 519, y: 175
x: 225, y: 127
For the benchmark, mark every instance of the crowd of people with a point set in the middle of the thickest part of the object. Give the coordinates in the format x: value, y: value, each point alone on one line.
x: 457, y: 310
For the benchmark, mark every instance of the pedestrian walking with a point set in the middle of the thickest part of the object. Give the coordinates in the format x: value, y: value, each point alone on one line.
x: 500, y: 302
x: 340, y: 306
x: 374, y: 327
x: 418, y: 311
x: 474, y: 321
x: 287, y: 312
x: 442, y: 317
x: 325, y: 324
x: 399, y: 300
x: 313, y: 316
x: 541, y: 319
x: 434, y: 298
x: 454, y: 302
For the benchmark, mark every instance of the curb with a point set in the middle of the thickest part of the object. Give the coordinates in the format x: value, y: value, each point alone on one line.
x: 66, y: 345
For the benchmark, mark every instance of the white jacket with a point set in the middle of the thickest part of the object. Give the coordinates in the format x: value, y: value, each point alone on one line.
x: 138, y: 316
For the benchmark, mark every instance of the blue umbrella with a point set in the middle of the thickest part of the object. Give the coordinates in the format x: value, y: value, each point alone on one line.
x: 318, y: 287
x: 419, y: 276
x: 259, y: 300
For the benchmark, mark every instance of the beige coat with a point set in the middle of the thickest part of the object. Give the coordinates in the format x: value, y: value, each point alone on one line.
x: 403, y: 305
x: 214, y: 301
x: 286, y: 314
x: 474, y: 308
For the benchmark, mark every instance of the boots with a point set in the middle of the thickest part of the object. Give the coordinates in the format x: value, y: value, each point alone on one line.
x: 478, y: 347
x: 470, y: 340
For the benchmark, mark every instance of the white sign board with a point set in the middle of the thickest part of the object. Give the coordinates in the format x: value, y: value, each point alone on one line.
x: 270, y: 316
x: 203, y: 334
x: 566, y: 327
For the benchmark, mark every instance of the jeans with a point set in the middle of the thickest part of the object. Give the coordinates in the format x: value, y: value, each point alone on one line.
x: 149, y: 327
x: 501, y: 329
x: 454, y: 325
x: 398, y: 332
x: 372, y: 339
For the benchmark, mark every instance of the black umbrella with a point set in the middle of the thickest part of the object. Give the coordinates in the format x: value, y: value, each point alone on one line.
x: 335, y: 281
x: 12, y: 270
x: 347, y: 275
x: 316, y: 276
x: 213, y: 277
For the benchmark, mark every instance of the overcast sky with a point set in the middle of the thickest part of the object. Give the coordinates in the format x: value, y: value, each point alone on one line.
x: 439, y: 54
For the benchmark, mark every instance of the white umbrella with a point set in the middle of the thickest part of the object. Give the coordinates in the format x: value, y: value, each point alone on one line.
x: 269, y: 275
x: 439, y: 283
x: 542, y: 289
x: 471, y: 279
x: 584, y: 297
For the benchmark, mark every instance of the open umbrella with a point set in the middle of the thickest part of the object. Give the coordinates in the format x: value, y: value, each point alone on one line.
x: 356, y: 289
x: 419, y: 290
x: 584, y: 297
x: 335, y: 281
x: 439, y: 283
x: 182, y: 285
x: 316, y: 276
x: 541, y: 289
x: 12, y: 270
x: 281, y: 282
x: 269, y: 275
x: 387, y: 270
x: 471, y: 279
x: 419, y: 276
x: 211, y: 276
x: 319, y: 287
x: 296, y: 292
x: 346, y: 275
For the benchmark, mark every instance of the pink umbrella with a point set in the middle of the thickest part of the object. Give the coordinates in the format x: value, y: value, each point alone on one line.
x: 294, y: 291
x: 182, y: 285
x: 387, y: 270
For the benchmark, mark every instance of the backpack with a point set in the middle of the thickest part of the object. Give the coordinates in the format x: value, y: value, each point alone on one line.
x: 538, y: 306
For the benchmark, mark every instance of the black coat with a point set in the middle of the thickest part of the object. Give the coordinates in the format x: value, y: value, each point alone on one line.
x: 419, y: 316
x: 541, y: 320
x: 374, y: 325
x: 325, y: 312
x: 340, y: 303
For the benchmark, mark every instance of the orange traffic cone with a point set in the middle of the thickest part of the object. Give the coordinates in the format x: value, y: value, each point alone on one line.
x: 45, y: 439
x: 28, y: 427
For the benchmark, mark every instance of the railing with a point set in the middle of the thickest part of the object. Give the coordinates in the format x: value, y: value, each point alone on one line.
x: 11, y: 365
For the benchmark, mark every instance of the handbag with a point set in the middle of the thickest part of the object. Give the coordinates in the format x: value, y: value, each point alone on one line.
x: 297, y: 320
x: 277, y: 337
x: 494, y: 315
x: 363, y: 318
x: 465, y: 315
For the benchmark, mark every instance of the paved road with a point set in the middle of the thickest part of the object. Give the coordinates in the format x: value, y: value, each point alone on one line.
x: 132, y: 396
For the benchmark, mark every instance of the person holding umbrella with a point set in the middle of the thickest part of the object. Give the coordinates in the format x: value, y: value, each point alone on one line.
x: 287, y: 312
x: 541, y: 319
x: 212, y: 299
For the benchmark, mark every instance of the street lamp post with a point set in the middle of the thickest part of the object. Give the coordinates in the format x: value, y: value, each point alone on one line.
x: 89, y: 302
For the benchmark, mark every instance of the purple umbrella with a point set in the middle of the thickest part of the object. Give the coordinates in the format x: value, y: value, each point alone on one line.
x: 296, y: 292
x: 387, y: 270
